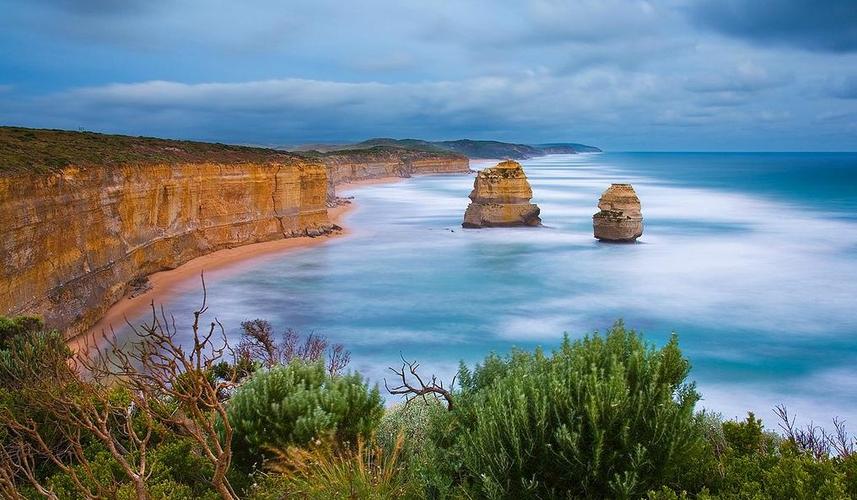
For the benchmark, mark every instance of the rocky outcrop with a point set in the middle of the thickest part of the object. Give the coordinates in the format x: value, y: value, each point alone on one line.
x: 73, y: 239
x: 620, y: 218
x: 380, y: 162
x: 500, y: 198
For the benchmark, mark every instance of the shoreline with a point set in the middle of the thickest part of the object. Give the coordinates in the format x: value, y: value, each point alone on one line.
x: 163, y: 283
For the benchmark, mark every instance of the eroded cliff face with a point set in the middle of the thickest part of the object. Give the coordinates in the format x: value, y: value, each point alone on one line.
x: 368, y: 164
x: 72, y: 240
x: 501, y: 197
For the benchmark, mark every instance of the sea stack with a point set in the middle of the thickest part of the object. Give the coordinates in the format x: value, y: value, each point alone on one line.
x: 620, y: 219
x: 501, y: 198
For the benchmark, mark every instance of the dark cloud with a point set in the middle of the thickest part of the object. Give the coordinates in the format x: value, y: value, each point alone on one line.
x: 823, y: 25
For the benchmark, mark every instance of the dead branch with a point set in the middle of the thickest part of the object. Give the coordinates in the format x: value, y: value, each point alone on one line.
x: 421, y: 389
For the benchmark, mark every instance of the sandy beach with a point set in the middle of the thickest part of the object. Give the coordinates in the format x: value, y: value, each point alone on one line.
x: 162, y: 283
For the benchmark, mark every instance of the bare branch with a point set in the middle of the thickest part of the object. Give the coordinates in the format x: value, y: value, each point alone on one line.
x: 421, y: 389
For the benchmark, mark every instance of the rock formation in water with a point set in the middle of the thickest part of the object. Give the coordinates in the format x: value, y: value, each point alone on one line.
x: 620, y: 218
x: 501, y: 198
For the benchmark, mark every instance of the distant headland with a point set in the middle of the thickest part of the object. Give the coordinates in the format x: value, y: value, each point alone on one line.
x: 467, y: 147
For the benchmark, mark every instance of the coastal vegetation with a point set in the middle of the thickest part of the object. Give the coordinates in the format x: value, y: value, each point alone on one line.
x: 609, y: 415
x: 25, y: 150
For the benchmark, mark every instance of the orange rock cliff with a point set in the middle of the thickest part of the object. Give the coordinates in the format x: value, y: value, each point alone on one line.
x: 73, y: 240
x: 73, y: 237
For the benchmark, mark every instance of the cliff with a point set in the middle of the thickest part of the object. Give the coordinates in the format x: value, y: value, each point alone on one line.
x: 501, y: 197
x: 378, y: 162
x: 619, y: 218
x: 82, y: 215
x: 73, y: 237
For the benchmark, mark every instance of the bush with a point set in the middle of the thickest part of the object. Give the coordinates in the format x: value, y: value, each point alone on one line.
x: 329, y: 471
x: 416, y: 422
x: 296, y: 403
x: 17, y: 326
x: 602, y: 416
x: 762, y: 465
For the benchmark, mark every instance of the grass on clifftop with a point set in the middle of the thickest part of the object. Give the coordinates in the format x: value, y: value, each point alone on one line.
x: 40, y: 150
x: 26, y: 150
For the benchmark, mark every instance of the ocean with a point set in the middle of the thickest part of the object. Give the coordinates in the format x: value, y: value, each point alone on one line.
x: 750, y: 258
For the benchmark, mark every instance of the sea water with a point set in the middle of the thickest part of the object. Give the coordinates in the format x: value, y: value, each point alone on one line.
x: 751, y: 259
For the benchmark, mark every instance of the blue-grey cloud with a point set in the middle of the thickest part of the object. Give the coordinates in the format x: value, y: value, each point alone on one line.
x: 624, y: 74
x: 826, y: 25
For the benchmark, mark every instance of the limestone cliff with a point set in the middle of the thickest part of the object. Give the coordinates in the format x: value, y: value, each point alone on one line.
x: 73, y: 239
x: 620, y: 218
x: 82, y: 215
x: 501, y: 197
x: 379, y: 162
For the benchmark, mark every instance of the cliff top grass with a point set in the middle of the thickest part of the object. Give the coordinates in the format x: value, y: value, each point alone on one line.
x: 26, y: 150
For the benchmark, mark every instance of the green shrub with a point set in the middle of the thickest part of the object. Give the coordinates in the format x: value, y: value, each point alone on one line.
x: 17, y: 326
x: 757, y: 464
x: 296, y: 403
x: 416, y: 422
x: 605, y: 416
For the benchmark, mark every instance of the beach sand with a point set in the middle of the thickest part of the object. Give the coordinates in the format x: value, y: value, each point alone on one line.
x: 163, y: 283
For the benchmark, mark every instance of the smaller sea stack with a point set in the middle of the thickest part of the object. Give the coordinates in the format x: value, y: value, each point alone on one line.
x: 501, y: 198
x: 620, y: 219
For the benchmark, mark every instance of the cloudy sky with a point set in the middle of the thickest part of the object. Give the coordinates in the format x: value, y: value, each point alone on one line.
x: 620, y: 74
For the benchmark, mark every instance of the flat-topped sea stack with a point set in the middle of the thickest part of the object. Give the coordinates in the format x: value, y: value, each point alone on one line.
x: 620, y: 218
x: 501, y: 198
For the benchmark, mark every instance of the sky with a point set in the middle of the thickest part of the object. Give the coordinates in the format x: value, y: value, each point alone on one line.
x: 703, y: 75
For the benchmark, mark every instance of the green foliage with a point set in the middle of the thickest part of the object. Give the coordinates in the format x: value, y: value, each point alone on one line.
x: 296, y: 403
x: 24, y: 150
x: 327, y: 471
x: 760, y: 465
x: 416, y: 422
x: 178, y: 471
x: 17, y: 326
x: 747, y: 437
x: 602, y: 416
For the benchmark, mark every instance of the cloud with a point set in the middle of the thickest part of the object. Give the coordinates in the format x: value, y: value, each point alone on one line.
x: 306, y: 109
x: 829, y: 25
x: 630, y: 74
x: 745, y: 78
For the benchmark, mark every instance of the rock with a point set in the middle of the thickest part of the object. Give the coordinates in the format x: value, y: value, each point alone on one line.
x: 620, y: 218
x: 72, y: 240
x: 501, y: 198
x: 139, y: 286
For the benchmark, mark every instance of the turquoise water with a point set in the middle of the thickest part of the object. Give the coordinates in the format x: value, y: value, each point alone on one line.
x: 750, y: 258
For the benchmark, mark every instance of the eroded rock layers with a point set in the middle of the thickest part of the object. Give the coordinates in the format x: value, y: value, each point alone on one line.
x: 72, y: 240
x: 620, y: 218
x: 501, y: 198
x: 376, y: 163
